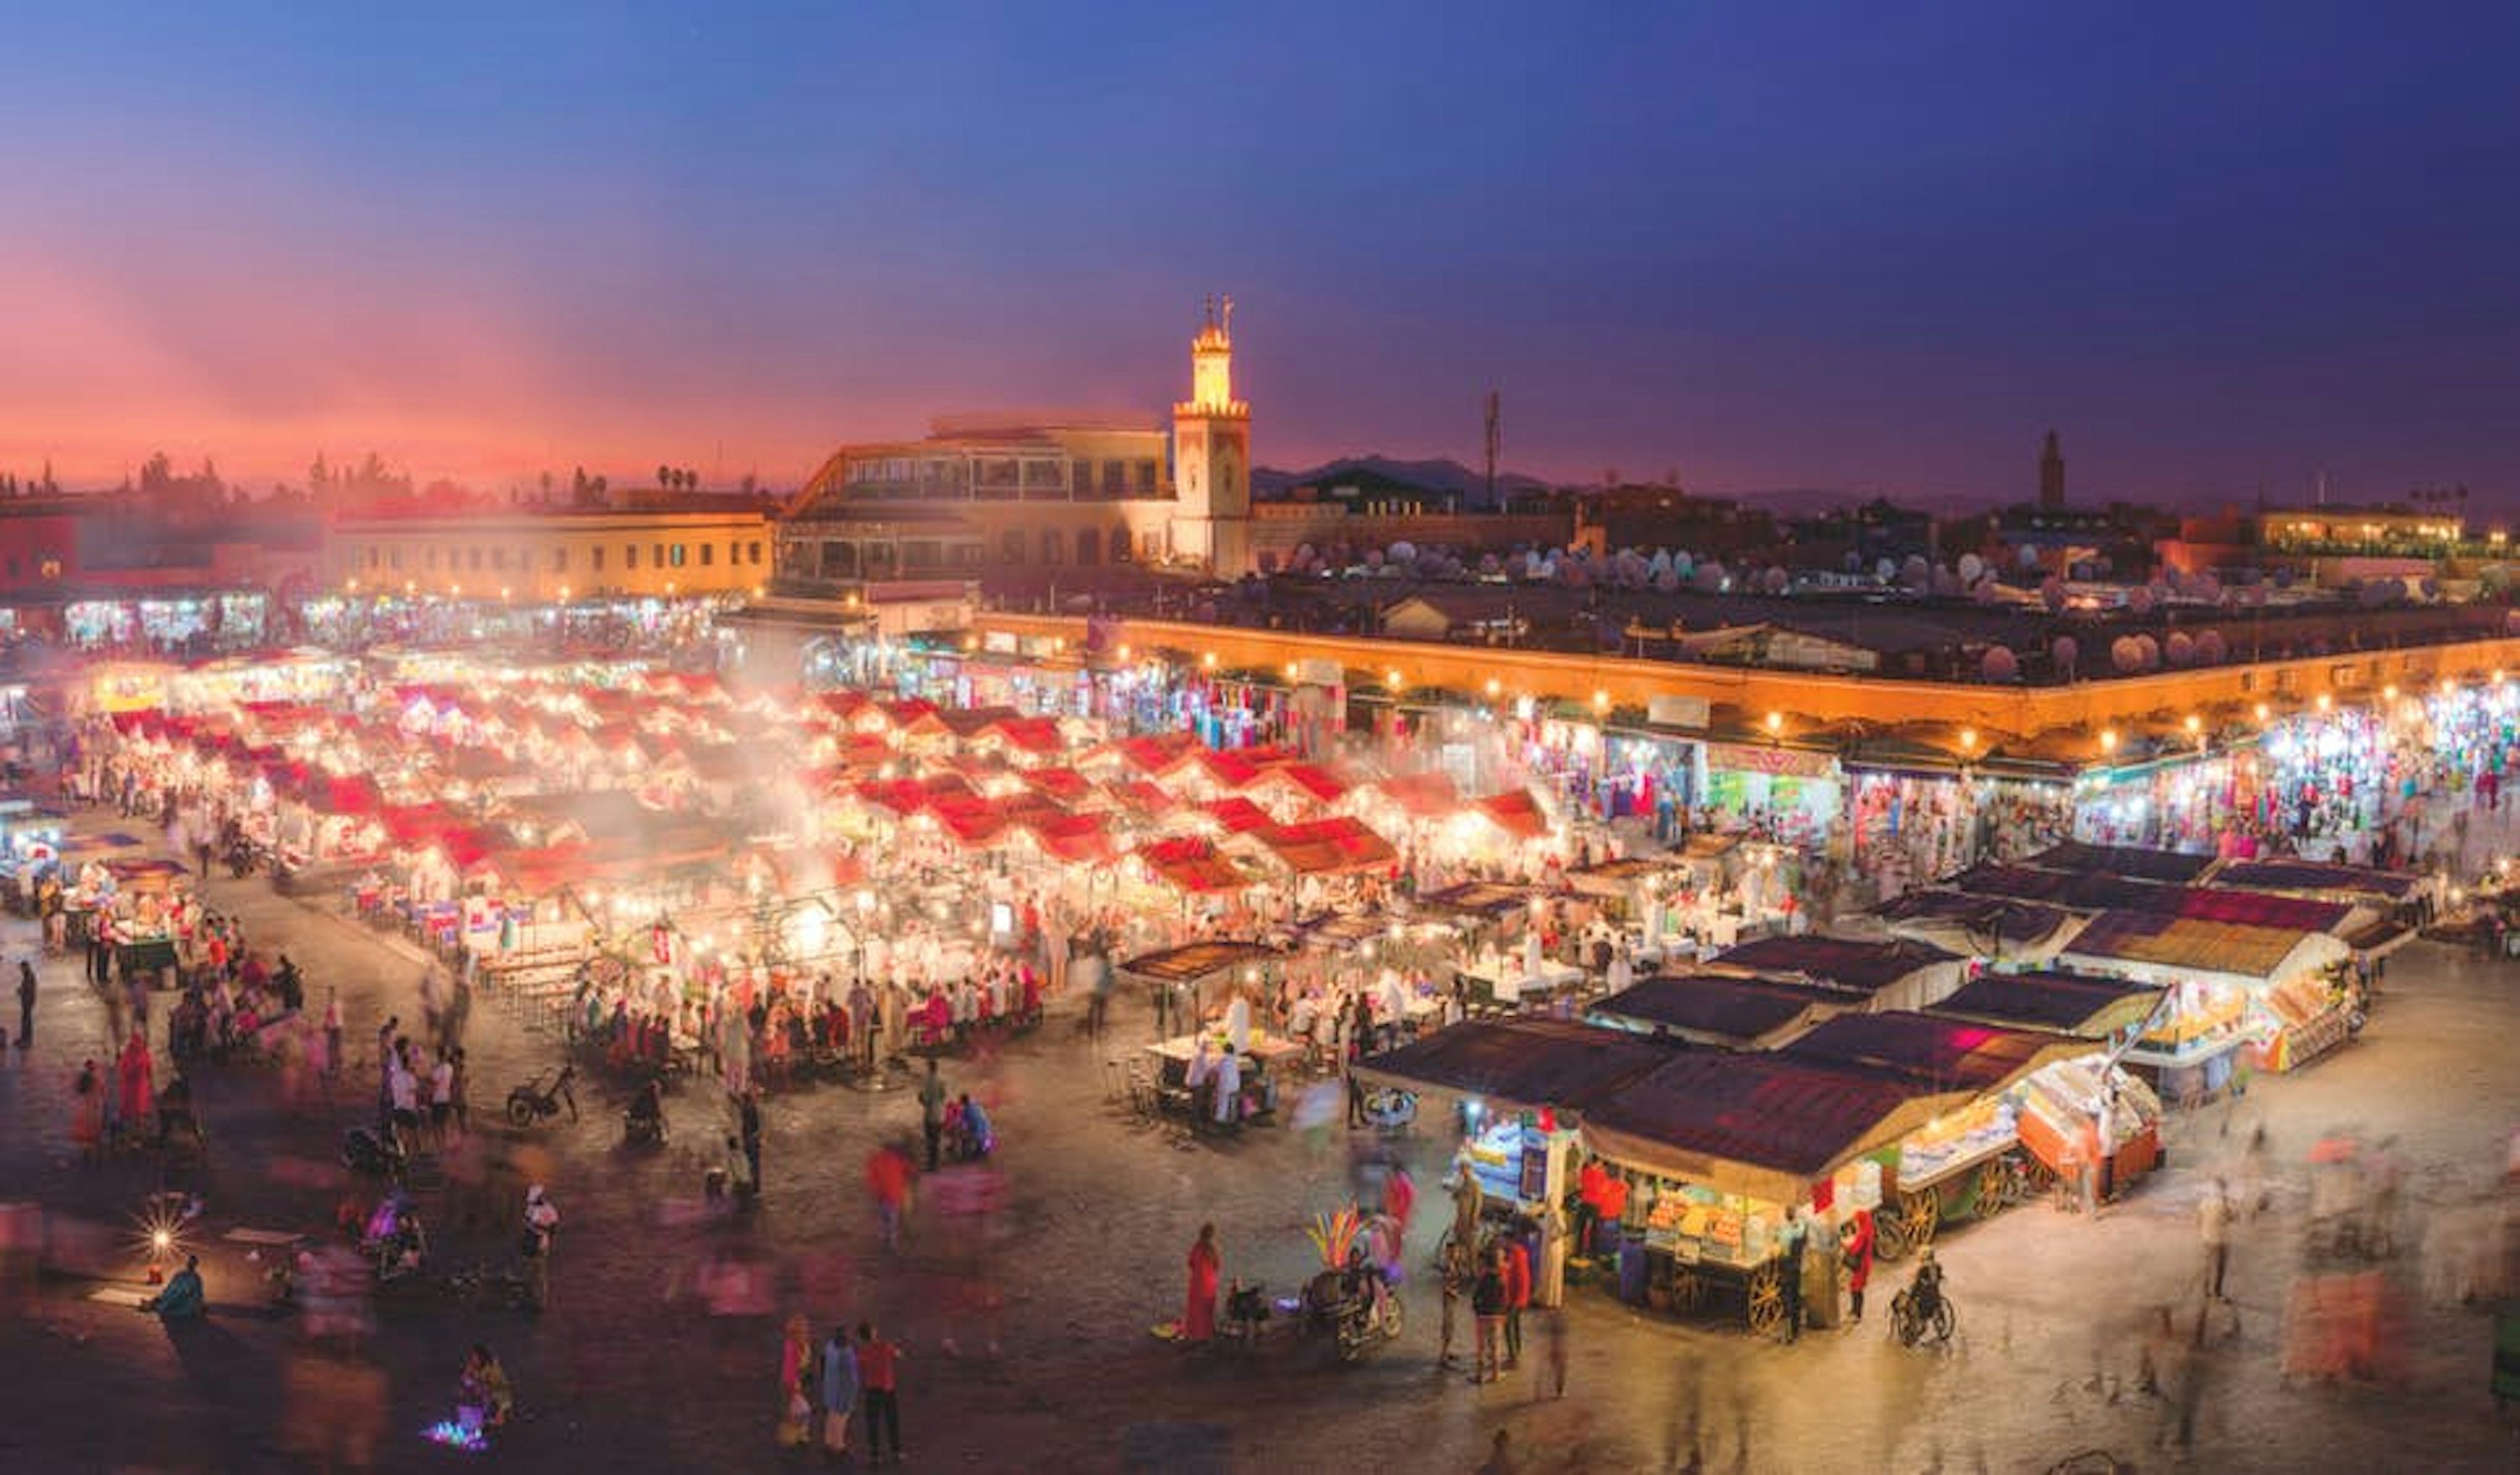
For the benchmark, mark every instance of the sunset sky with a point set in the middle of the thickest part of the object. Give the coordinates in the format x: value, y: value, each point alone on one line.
x: 1766, y: 245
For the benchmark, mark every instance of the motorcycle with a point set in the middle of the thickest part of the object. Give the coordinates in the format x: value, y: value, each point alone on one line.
x: 1357, y: 1305
x: 542, y: 1097
x: 373, y: 1153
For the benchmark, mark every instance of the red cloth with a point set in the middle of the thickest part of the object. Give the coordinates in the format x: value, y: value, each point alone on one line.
x: 876, y: 1365
x: 1614, y: 1197
x: 1400, y: 1198
x: 1517, y: 1274
x: 1199, y: 1317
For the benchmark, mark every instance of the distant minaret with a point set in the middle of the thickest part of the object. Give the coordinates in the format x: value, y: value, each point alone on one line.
x: 1212, y: 453
x: 2052, y: 473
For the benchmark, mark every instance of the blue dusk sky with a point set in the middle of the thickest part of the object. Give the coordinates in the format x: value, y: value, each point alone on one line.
x: 1876, y: 247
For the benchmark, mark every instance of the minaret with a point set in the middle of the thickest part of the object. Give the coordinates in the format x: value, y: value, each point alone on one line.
x: 1212, y: 453
x: 2052, y: 473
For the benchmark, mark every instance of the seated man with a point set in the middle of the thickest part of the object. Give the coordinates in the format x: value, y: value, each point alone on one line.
x: 182, y: 1299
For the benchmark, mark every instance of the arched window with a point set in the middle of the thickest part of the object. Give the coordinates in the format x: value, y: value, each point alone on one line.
x: 1089, y: 546
x: 1120, y: 545
x: 1011, y: 547
x: 1054, y: 547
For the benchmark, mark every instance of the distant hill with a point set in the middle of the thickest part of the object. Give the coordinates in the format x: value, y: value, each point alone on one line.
x: 1443, y: 477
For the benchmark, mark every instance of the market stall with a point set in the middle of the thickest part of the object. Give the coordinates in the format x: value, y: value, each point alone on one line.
x: 2088, y: 1006
x: 1962, y: 1163
x: 1518, y: 1088
x: 1993, y: 928
x: 2087, y: 1112
x: 2219, y: 974
x: 1721, y: 1145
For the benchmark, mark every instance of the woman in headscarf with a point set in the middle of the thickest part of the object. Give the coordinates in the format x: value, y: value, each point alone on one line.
x: 1199, y: 1316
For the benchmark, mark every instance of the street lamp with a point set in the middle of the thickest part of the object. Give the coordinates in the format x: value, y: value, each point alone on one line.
x: 1776, y: 723
x: 2109, y: 740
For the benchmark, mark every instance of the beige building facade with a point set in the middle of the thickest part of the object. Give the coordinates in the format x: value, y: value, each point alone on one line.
x: 548, y: 554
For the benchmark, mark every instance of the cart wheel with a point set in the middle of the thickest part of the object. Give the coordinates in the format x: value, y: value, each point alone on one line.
x: 1943, y: 1321
x: 1687, y: 1290
x: 1889, y: 1237
x: 520, y: 1112
x: 1994, y: 1185
x: 1920, y: 1211
x: 2028, y: 1180
x: 1767, y: 1312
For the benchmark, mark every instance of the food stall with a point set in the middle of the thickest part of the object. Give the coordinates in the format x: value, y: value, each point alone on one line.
x: 1964, y: 1162
x: 2060, y: 1119
x: 1720, y: 1145
x: 1519, y: 1087
x: 2221, y: 976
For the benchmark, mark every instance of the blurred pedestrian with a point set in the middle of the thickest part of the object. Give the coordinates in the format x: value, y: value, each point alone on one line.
x: 1487, y: 1304
x: 878, y: 1373
x: 2214, y: 1226
x: 841, y: 1390
x: 1794, y: 1236
x: 1558, y: 1353
x: 747, y: 1113
x: 795, y: 1385
x: 26, y: 1003
x: 888, y: 1172
x: 1453, y: 1264
x: 542, y: 1231
x: 1517, y: 1296
x: 931, y: 1112
x: 1207, y: 1264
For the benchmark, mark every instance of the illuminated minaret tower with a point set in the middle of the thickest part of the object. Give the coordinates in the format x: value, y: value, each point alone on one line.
x: 1212, y: 453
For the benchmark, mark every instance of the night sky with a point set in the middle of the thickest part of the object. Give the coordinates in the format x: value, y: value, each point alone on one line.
x: 1766, y: 244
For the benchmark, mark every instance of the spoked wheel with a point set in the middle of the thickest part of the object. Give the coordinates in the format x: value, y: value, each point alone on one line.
x: 2026, y: 1178
x: 1687, y: 1290
x: 1920, y: 1211
x: 1889, y: 1235
x: 1904, y: 1319
x: 1943, y: 1321
x: 520, y: 1112
x: 1767, y: 1311
x: 1994, y: 1185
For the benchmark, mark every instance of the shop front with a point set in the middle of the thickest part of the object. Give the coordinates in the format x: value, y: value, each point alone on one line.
x: 1789, y: 795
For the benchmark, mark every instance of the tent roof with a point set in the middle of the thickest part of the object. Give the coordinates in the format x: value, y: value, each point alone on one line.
x: 2229, y: 949
x: 1720, y: 1009
x: 1423, y: 796
x: 2317, y: 876
x: 1515, y: 813
x: 1326, y: 846
x: 1848, y: 962
x: 2139, y: 862
x: 1937, y: 1054
x: 1484, y: 898
x: 1197, y: 960
x: 1759, y: 1125
x: 1532, y: 1063
x: 2073, y: 1003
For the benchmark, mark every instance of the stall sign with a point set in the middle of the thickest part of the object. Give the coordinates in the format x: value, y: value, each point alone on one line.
x: 1534, y: 1168
x: 1676, y: 712
x: 1781, y: 763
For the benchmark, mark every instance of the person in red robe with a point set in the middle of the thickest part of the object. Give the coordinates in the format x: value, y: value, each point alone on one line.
x: 136, y: 1082
x: 1199, y: 1317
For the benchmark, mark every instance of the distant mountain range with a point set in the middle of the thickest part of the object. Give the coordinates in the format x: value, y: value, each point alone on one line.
x: 1451, y: 478
x: 1447, y: 477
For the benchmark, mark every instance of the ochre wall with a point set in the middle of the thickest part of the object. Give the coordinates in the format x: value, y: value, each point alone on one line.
x: 2218, y: 693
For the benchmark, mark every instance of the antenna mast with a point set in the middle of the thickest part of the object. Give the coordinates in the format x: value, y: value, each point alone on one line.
x: 1495, y: 416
